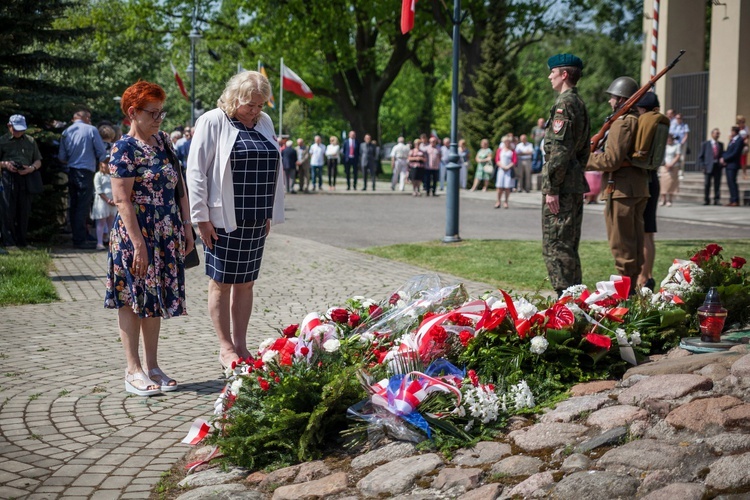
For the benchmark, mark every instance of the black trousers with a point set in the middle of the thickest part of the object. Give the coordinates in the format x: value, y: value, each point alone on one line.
x: 15, y: 205
x: 430, y: 180
x: 716, y: 176
x: 734, y: 191
x: 350, y: 167
x: 81, y: 194
x: 333, y: 167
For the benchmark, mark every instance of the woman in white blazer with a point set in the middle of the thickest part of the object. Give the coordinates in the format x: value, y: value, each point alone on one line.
x: 234, y: 179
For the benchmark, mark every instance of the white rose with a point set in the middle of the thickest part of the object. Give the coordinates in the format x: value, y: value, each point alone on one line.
x: 269, y: 355
x: 538, y: 345
x: 331, y: 345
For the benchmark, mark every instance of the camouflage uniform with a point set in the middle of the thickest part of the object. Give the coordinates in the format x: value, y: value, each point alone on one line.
x: 566, y: 150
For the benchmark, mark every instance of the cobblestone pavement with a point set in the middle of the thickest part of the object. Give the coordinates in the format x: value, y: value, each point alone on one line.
x: 67, y: 427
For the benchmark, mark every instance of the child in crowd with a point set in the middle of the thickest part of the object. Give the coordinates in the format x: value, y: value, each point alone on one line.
x: 103, y: 211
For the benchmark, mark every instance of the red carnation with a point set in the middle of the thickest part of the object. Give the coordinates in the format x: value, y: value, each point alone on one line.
x: 276, y: 379
x: 354, y: 320
x: 258, y: 364
x: 234, y: 365
x: 473, y: 377
x: 380, y: 354
x: 304, y: 351
x: 465, y: 337
x: 738, y: 262
x: 290, y: 331
x: 439, y: 335
x: 394, y: 299
x: 599, y: 340
x: 713, y: 249
x: 264, y: 385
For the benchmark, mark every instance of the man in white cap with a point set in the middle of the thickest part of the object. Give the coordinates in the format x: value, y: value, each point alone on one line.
x: 19, y: 158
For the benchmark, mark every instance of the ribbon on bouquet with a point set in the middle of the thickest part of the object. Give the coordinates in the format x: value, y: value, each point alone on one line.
x: 402, y: 394
x: 618, y: 288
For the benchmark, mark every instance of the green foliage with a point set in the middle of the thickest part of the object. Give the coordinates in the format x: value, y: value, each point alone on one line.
x: 24, y: 280
x: 294, y: 420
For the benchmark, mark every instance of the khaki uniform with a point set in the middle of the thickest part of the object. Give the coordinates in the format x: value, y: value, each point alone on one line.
x: 566, y: 149
x: 626, y: 196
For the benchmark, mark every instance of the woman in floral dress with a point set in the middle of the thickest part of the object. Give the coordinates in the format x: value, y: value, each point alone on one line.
x: 148, y: 243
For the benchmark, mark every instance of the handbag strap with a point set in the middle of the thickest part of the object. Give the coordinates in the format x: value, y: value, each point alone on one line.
x: 180, y: 187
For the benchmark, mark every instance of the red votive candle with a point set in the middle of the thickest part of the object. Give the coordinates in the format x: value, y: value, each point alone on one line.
x: 711, y: 317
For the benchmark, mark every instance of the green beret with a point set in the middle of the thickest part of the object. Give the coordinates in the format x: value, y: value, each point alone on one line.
x: 564, y: 60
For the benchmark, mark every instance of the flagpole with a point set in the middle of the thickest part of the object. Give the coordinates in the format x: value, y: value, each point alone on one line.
x: 281, y: 94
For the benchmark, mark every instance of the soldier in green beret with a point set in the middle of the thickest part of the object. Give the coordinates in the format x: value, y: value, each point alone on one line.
x: 566, y: 151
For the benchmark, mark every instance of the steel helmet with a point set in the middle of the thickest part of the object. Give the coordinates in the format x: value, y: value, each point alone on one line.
x: 623, y: 87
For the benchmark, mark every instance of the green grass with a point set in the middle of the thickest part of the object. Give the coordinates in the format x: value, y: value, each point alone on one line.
x: 518, y: 265
x: 24, y: 278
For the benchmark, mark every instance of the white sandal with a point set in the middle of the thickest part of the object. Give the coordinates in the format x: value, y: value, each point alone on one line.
x: 162, y: 380
x: 138, y: 383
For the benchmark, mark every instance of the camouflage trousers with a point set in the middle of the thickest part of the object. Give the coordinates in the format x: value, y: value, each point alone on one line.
x: 561, y: 236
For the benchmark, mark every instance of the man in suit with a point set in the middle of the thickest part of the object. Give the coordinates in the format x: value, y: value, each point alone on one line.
x: 710, y: 160
x: 351, y: 159
x: 368, y: 162
x: 731, y: 160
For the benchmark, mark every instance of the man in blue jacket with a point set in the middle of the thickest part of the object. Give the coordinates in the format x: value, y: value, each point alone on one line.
x: 731, y: 161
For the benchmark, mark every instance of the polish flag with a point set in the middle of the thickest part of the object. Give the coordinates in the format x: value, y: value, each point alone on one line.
x: 407, y: 15
x: 294, y: 83
x: 197, y: 432
x: 179, y: 81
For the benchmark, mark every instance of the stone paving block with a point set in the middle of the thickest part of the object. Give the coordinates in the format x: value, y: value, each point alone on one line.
x: 13, y: 466
x: 89, y: 479
x: 24, y: 482
x: 116, y: 482
x: 81, y: 491
x: 106, y: 495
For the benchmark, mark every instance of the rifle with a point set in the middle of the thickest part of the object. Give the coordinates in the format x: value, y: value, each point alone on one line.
x: 597, y: 139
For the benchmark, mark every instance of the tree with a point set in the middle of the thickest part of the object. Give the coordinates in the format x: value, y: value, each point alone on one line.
x: 496, y: 104
x: 28, y: 64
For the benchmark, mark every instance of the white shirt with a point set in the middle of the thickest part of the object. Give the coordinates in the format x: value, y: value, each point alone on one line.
x: 332, y: 151
x: 317, y: 154
x: 524, y: 151
x: 400, y: 151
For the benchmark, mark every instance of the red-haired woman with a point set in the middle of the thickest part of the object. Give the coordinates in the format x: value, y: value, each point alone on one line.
x: 148, y: 244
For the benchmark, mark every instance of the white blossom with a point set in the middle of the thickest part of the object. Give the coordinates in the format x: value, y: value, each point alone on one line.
x: 331, y: 345
x: 574, y: 291
x: 482, y: 403
x: 522, y: 396
x: 269, y: 355
x: 635, y: 338
x: 525, y: 308
x: 538, y: 345
x: 236, y: 385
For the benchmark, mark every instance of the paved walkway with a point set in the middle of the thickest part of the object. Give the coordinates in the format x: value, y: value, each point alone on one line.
x: 67, y: 427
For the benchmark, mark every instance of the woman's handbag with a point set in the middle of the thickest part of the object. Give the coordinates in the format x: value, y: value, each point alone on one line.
x: 191, y: 259
x: 488, y: 168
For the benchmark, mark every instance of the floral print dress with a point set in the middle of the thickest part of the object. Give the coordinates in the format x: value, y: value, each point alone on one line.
x: 161, y: 293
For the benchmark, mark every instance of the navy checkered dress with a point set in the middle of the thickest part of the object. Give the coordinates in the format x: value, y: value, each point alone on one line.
x: 236, y: 256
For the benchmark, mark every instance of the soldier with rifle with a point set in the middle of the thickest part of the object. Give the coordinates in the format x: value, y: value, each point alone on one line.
x: 627, y: 190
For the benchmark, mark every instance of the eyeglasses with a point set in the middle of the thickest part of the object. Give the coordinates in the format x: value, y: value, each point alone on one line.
x: 156, y: 115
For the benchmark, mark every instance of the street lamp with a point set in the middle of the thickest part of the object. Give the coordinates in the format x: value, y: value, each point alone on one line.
x: 194, y: 36
x: 453, y: 168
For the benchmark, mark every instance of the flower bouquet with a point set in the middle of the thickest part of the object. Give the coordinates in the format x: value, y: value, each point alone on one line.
x: 690, y: 280
x: 430, y: 362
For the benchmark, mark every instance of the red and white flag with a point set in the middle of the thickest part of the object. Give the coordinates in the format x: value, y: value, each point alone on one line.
x: 197, y: 432
x: 295, y: 84
x: 179, y: 81
x: 407, y: 15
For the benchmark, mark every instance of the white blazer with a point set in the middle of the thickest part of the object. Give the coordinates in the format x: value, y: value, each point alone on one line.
x: 209, y: 174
